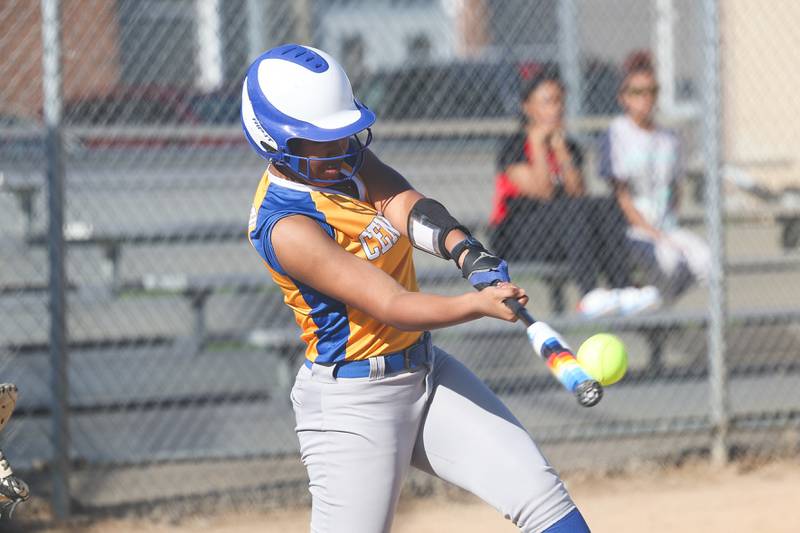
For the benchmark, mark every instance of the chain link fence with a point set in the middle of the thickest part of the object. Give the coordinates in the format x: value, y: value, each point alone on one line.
x: 179, y: 352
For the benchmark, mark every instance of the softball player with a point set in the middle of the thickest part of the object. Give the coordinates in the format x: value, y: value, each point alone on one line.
x: 335, y: 228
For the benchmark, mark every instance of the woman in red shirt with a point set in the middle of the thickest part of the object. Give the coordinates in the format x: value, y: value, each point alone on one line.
x: 541, y: 210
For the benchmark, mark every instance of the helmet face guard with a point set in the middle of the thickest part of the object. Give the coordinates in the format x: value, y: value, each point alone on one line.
x: 298, y: 92
x: 353, y: 158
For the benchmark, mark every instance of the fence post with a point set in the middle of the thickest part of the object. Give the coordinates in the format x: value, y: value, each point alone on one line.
x: 664, y: 45
x: 304, y: 20
x: 51, y: 62
x: 720, y: 416
x: 570, y: 56
x: 256, y: 21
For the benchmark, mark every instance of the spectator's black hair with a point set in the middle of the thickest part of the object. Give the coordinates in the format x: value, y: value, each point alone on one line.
x: 548, y: 73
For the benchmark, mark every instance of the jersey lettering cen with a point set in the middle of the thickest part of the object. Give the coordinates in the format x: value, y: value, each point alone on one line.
x: 332, y: 330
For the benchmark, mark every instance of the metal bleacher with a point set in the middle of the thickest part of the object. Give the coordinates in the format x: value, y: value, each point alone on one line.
x: 203, y: 357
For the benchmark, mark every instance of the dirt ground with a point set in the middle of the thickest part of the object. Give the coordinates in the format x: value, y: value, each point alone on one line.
x: 696, y: 498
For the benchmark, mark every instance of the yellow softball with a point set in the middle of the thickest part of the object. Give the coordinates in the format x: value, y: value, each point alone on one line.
x: 603, y: 357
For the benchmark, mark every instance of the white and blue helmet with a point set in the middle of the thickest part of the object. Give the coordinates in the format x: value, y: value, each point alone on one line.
x: 298, y: 92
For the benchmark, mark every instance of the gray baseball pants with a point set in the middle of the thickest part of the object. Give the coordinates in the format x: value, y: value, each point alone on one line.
x: 358, y: 437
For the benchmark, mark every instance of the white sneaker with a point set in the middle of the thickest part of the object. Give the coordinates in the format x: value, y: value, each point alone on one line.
x: 599, y: 302
x: 633, y: 300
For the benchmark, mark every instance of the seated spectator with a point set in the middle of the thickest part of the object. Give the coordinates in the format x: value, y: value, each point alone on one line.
x: 643, y: 162
x: 541, y: 211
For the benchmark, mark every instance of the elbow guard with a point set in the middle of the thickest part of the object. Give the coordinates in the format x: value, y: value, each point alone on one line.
x: 428, y: 226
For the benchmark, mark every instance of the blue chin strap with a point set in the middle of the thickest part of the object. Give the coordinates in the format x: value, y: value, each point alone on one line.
x: 353, y: 158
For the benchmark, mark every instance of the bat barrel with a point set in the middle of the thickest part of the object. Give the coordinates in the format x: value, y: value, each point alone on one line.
x: 562, y: 363
x: 589, y: 393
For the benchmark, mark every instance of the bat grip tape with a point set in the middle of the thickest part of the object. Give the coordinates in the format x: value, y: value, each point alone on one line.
x: 519, y: 310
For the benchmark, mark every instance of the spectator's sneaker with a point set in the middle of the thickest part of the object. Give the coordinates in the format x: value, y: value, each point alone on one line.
x: 633, y: 300
x: 599, y: 302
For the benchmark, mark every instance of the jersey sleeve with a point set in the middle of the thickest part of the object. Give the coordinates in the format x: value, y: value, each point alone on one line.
x: 268, y: 215
x: 606, y: 169
x: 679, y: 169
x: 613, y: 146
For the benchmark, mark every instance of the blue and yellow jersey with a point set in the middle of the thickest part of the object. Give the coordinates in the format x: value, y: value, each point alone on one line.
x: 332, y: 330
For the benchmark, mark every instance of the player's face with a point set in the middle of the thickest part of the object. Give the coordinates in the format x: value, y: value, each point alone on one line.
x: 638, y: 97
x: 545, y: 105
x: 321, y: 170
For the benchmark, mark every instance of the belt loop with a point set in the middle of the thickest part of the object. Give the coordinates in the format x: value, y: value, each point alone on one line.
x: 430, y: 353
x: 377, y: 368
x: 428, y: 342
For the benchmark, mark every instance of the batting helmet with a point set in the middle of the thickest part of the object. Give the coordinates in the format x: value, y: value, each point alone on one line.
x: 298, y: 92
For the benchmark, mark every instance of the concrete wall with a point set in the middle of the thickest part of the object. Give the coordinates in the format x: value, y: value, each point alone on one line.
x: 760, y: 79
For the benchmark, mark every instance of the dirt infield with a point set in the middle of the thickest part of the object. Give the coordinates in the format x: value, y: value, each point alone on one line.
x: 697, y: 498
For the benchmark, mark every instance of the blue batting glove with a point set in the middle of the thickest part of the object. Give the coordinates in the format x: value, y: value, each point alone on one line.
x: 480, y: 266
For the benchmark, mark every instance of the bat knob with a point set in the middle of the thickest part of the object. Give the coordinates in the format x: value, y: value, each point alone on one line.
x: 589, y: 393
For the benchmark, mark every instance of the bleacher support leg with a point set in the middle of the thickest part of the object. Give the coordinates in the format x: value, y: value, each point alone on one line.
x: 26, y: 199
x: 111, y: 253
x: 656, y: 338
x: 198, y: 302
x: 557, y: 295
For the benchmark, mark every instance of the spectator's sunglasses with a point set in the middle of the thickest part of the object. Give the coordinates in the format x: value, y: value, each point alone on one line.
x: 651, y: 90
